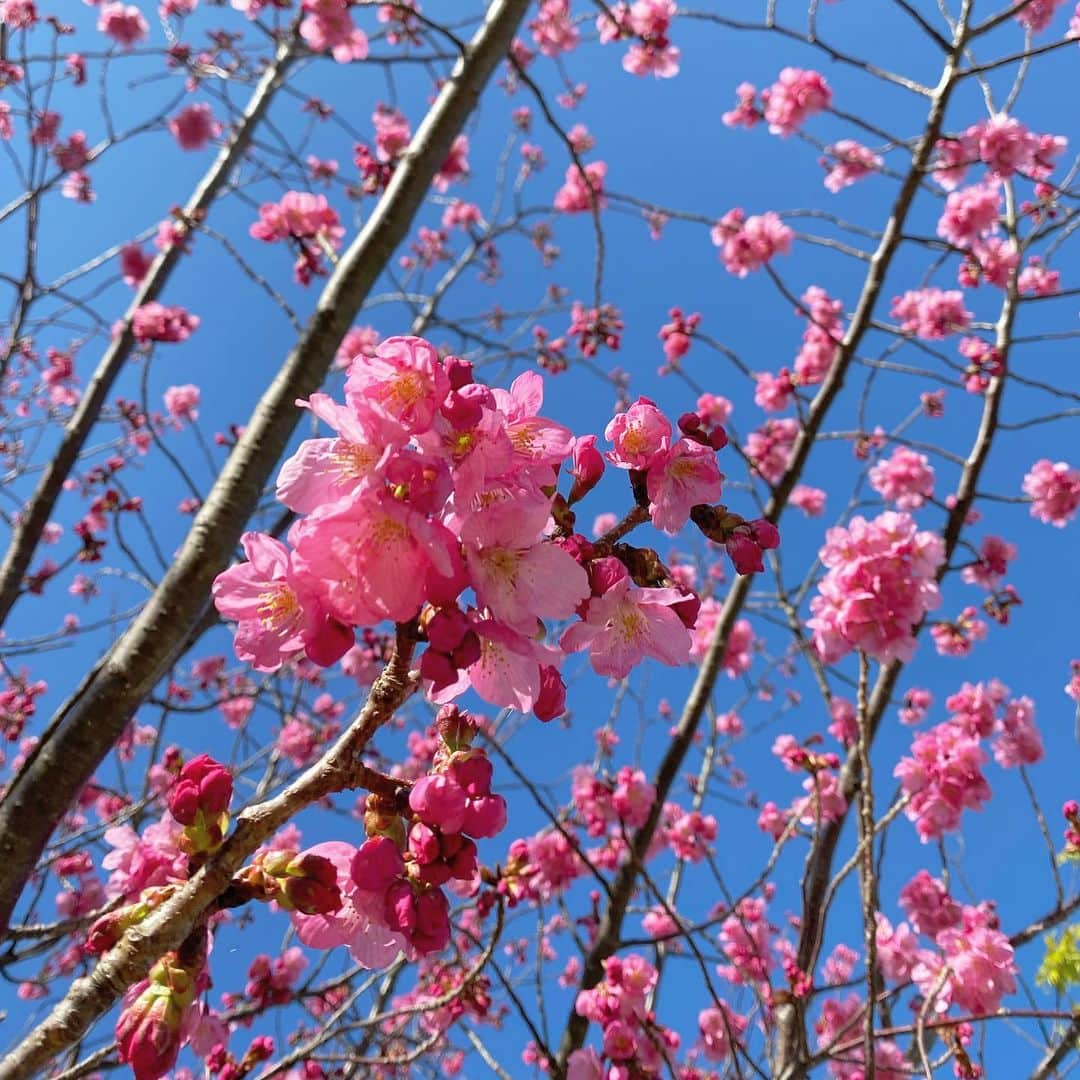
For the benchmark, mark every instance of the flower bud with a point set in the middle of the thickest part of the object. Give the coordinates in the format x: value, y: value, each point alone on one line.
x: 473, y: 773
x: 400, y: 910
x: 200, y: 802
x: 551, y: 701
x: 459, y: 371
x: 431, y: 931
x: 744, y: 553
x: 306, y: 883
x: 438, y: 800
x: 766, y: 534
x: 148, y: 1032
x: 107, y: 930
x: 485, y: 817
x: 203, y: 785
x: 377, y: 863
x: 587, y: 467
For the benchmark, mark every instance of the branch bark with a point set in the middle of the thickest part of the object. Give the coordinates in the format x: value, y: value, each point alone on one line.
x: 87, y: 725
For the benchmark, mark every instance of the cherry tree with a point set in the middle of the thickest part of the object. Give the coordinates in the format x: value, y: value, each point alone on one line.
x: 497, y: 499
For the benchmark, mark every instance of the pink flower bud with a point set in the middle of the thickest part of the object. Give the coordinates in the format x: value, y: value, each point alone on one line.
x: 473, y: 774
x: 688, y: 609
x: 377, y: 863
x: 468, y: 652
x: 766, y: 534
x: 432, y: 929
x: 424, y: 844
x: 463, y: 864
x: 552, y: 699
x: 310, y: 885
x: 446, y: 629
x: 438, y: 668
x: 485, y: 817
x: 605, y: 573
x: 438, y: 800
x: 148, y: 1032
x: 204, y: 784
x: 400, y: 908
x: 745, y: 553
x: 459, y: 371
x: 587, y: 468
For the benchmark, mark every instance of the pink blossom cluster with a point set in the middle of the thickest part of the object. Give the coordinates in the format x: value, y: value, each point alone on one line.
x: 769, y: 447
x: 990, y: 260
x: 624, y: 803
x: 676, y: 336
x: 879, y: 585
x: 194, y: 126
x: 124, y: 23
x: 1037, y: 15
x: 973, y: 963
x: 821, y: 338
x: 796, y: 95
x: 991, y: 564
x: 943, y: 777
x: 1054, y: 490
x: 745, y: 940
x: 182, y: 402
x: 905, y: 478
x: 553, y: 29
x: 435, y: 484
x: 748, y: 243
x: 980, y: 964
x: 720, y: 1029
x: 958, y: 636
x: 984, y: 363
x: 308, y: 222
x: 931, y: 313
x: 848, y: 162
x: 581, y: 193
x: 1002, y: 143
x: 738, y: 651
x: 156, y: 322
x: 540, y: 868
x: 327, y: 26
x: 633, y: 1041
x: 647, y: 21
x: 971, y: 214
x: 1038, y: 280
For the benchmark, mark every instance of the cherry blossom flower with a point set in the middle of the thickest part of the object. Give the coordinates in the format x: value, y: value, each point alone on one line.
x: 626, y: 624
x: 880, y: 583
x: 1054, y: 489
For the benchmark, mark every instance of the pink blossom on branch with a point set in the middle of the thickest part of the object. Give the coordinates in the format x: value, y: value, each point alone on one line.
x: 880, y: 582
x: 156, y: 322
x: 1054, y: 490
x: 848, y: 162
x: 579, y: 194
x: 748, y: 243
x: 796, y: 95
x: 905, y: 478
x: 943, y: 776
x: 194, y: 127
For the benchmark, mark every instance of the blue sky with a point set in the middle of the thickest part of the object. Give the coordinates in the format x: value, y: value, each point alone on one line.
x: 663, y: 141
